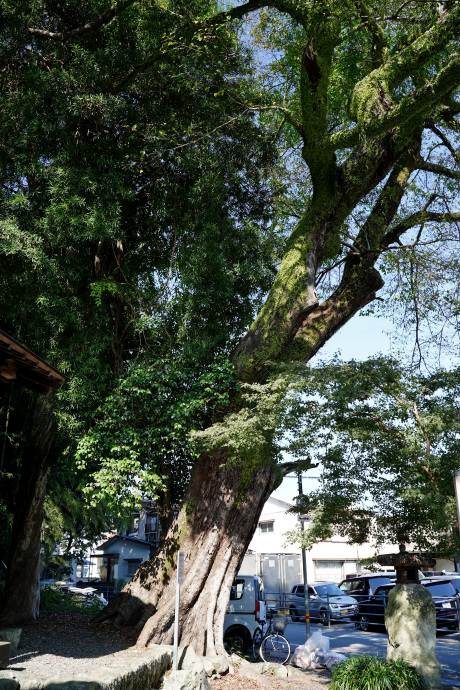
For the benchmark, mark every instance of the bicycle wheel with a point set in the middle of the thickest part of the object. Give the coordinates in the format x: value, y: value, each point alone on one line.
x: 275, y: 648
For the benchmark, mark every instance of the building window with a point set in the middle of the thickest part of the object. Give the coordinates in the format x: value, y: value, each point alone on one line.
x: 266, y: 527
x: 132, y: 565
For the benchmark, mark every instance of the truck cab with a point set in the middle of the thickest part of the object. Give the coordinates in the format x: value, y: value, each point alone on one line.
x: 245, y: 614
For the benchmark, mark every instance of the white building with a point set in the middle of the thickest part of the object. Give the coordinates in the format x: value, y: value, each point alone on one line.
x: 281, y: 566
x: 121, y: 556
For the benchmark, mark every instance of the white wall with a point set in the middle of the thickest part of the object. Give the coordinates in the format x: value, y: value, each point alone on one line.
x: 331, y: 559
x: 127, y: 548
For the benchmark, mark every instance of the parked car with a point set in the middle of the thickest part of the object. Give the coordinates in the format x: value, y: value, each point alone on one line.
x: 438, y: 573
x: 325, y: 602
x: 455, y: 579
x: 245, y: 613
x: 372, y: 611
x: 362, y: 586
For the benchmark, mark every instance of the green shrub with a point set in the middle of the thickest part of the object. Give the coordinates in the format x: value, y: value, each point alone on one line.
x: 54, y: 599
x: 375, y: 673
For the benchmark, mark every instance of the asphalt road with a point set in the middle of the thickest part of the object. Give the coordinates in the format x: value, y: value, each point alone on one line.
x: 344, y: 637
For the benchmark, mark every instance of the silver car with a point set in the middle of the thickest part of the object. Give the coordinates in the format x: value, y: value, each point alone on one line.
x: 325, y: 602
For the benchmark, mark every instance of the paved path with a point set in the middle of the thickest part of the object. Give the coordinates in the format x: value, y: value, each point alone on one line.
x: 344, y: 637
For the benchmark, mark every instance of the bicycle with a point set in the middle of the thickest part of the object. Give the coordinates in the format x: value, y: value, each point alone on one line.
x: 274, y: 647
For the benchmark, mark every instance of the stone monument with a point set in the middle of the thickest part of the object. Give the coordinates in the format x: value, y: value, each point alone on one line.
x: 410, y: 616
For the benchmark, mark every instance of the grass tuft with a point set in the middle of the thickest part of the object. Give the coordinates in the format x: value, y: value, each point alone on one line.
x: 376, y: 673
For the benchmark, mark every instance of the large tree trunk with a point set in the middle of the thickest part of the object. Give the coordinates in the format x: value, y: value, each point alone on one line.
x: 213, y: 529
x: 22, y: 592
x: 217, y: 521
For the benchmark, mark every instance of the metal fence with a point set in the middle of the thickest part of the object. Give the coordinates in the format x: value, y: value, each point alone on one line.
x: 294, y: 607
x: 366, y: 613
x: 372, y: 612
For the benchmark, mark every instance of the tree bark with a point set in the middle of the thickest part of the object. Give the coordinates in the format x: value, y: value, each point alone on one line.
x: 213, y: 529
x: 22, y: 591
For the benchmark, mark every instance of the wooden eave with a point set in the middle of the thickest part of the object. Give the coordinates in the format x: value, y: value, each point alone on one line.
x: 20, y: 365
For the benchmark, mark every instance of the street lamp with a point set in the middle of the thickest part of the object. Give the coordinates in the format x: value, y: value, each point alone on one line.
x: 304, y: 566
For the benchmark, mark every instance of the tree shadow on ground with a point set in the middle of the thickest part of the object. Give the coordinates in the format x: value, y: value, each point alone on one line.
x: 70, y: 635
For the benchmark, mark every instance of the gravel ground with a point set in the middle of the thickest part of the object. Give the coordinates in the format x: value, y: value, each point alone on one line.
x: 67, y: 643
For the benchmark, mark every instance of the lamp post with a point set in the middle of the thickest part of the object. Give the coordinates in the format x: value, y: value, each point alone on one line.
x: 304, y: 567
x: 457, y: 501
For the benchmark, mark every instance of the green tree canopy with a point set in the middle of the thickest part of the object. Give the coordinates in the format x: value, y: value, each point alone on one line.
x: 133, y: 243
x: 386, y: 443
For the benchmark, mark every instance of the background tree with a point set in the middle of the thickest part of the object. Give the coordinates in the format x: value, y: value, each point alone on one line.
x: 119, y: 214
x: 387, y: 444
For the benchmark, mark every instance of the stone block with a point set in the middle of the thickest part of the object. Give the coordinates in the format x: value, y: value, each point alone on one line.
x: 294, y: 671
x: 188, y: 679
x: 92, y: 682
x: 281, y: 672
x: 9, y: 684
x: 410, y: 619
x: 215, y: 664
x: 186, y: 658
x: 5, y: 648
x: 30, y: 682
x: 27, y: 682
x: 11, y: 635
x: 142, y: 670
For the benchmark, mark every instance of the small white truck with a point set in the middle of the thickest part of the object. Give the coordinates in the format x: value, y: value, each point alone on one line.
x: 246, y: 611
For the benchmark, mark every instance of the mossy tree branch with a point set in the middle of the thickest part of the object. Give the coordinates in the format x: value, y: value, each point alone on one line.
x: 437, y: 169
x: 411, y: 109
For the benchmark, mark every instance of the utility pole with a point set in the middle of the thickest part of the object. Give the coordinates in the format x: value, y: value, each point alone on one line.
x: 304, y: 565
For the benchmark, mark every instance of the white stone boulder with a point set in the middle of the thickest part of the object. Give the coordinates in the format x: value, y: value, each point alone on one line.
x: 193, y: 678
x: 410, y: 619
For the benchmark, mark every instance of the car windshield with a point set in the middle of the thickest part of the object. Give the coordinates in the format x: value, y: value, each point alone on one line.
x: 375, y: 582
x: 328, y: 590
x: 441, y: 589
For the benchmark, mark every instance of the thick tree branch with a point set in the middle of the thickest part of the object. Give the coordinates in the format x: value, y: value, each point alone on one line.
x: 417, y: 219
x: 372, y: 233
x: 411, y: 108
x: 448, y: 112
x: 418, y: 53
x: 378, y: 39
x: 316, y: 65
x: 105, y: 18
x: 437, y: 169
x: 304, y: 465
x: 439, y: 133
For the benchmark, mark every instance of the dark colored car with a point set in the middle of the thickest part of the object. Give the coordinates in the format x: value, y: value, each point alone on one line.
x: 455, y: 579
x: 361, y: 587
x: 372, y: 611
x: 325, y: 602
